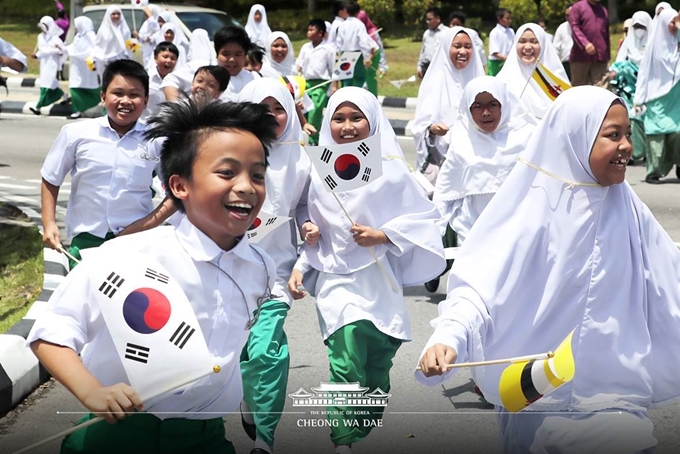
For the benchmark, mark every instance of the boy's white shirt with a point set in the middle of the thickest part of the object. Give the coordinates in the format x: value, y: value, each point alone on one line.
x: 352, y: 36
x: 110, y: 175
x: 316, y: 62
x: 563, y: 41
x: 333, y: 32
x: 9, y: 50
x: 500, y: 41
x: 236, y: 84
x: 156, y: 95
x: 429, y: 45
x: 74, y: 319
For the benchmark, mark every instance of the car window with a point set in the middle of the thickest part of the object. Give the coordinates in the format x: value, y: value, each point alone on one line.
x: 210, y: 22
x: 98, y: 15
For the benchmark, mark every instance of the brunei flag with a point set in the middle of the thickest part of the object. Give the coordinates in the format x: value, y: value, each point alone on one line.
x: 523, y: 383
x: 551, y: 85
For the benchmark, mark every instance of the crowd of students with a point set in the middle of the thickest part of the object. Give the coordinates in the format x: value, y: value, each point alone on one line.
x: 553, y: 240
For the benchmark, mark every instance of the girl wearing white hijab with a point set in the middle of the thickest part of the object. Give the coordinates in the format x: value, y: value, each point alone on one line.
x: 264, y: 364
x: 479, y: 160
x: 169, y: 29
x: 257, y: 27
x: 279, y: 56
x: 566, y: 246
x: 529, y: 46
x: 636, y: 39
x: 111, y: 40
x: 50, y: 49
x: 657, y: 89
x: 660, y: 7
x: 357, y: 306
x: 440, y: 94
x: 201, y: 50
x: 83, y: 82
x: 147, y: 33
x: 164, y: 17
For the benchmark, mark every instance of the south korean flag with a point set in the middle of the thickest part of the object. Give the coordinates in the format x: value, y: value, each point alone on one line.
x: 152, y: 324
x: 349, y: 166
x: 263, y: 225
x: 344, y: 65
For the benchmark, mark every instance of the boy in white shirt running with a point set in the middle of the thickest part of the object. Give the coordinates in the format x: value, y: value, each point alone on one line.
x: 500, y: 41
x: 353, y: 37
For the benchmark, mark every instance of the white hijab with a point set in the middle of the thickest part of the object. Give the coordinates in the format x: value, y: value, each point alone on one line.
x: 663, y: 5
x: 258, y: 32
x: 178, y: 41
x: 49, y: 28
x: 633, y: 47
x: 441, y: 90
x: 111, y: 38
x: 515, y: 73
x: 659, y: 70
x: 271, y: 68
x: 84, y: 39
x: 547, y: 257
x: 201, y: 49
x: 150, y: 25
x: 479, y: 162
x: 395, y: 203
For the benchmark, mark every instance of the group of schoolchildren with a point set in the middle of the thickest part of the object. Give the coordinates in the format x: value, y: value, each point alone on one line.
x: 553, y: 241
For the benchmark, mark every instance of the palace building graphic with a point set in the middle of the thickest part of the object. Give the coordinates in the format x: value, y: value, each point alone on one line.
x: 339, y: 394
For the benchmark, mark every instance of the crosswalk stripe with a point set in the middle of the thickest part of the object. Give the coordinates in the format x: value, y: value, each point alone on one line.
x: 15, y: 186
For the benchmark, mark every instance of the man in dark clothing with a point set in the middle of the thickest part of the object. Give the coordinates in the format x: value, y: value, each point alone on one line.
x: 589, y: 57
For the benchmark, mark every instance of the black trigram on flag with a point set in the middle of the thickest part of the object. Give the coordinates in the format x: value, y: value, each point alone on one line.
x: 182, y: 335
x: 252, y: 234
x: 111, y: 284
x: 363, y: 149
x: 367, y: 174
x: 271, y: 221
x: 330, y: 182
x: 326, y: 155
x: 137, y: 353
x: 160, y: 277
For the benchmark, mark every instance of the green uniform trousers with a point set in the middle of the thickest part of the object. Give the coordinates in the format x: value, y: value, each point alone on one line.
x: 264, y: 368
x: 372, y: 74
x: 359, y: 352
x: 49, y: 96
x: 319, y: 97
x: 663, y: 152
x: 359, y: 77
x: 144, y: 433
x: 84, y: 98
x: 85, y: 241
x: 639, y: 139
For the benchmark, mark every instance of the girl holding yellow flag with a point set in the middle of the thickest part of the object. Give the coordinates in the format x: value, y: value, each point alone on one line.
x: 566, y: 253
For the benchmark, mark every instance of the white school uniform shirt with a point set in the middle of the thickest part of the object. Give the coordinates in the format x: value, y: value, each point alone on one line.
x: 49, y: 53
x: 500, y: 41
x: 74, y: 319
x: 8, y: 50
x: 156, y: 95
x: 333, y: 32
x: 554, y: 253
x: 110, y: 175
x: 236, y: 84
x: 287, y: 182
x: 316, y: 62
x: 430, y: 44
x: 80, y: 75
x: 147, y: 33
x: 352, y: 36
x: 563, y: 41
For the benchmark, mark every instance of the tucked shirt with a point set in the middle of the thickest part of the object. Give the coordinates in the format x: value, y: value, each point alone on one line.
x: 589, y: 24
x: 430, y: 43
x: 222, y: 305
x: 8, y: 50
x: 563, y: 41
x: 500, y: 41
x: 111, y: 176
x: 316, y: 62
x: 352, y: 36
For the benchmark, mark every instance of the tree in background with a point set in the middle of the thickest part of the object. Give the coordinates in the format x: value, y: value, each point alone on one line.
x: 381, y: 12
x: 413, y: 12
x: 523, y: 11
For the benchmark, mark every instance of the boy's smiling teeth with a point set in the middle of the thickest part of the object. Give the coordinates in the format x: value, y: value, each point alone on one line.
x: 239, y: 206
x: 124, y: 110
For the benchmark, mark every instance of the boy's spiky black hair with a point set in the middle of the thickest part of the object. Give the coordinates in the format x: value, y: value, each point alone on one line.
x: 187, y: 124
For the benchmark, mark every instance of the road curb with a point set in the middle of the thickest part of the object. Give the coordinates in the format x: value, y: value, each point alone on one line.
x: 20, y: 372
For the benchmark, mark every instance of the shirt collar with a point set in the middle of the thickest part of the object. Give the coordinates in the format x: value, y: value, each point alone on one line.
x: 200, y: 247
x: 139, y: 127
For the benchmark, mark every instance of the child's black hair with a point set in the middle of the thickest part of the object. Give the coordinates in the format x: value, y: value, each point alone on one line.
x: 231, y: 34
x: 353, y: 8
x: 165, y: 45
x: 125, y: 68
x: 185, y: 125
x: 255, y: 54
x: 500, y: 12
x: 319, y: 24
x: 436, y: 12
x: 220, y: 74
x: 338, y: 6
x: 458, y: 15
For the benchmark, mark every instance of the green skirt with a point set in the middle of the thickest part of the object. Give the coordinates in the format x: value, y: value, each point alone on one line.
x: 84, y: 98
x: 494, y: 67
x: 49, y: 96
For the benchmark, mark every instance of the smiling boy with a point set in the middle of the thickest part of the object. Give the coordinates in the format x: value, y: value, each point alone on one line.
x: 231, y: 46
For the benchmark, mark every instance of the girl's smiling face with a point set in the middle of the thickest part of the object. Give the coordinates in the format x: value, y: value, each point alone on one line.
x: 528, y: 47
x: 460, y: 51
x: 169, y: 35
x: 279, y: 50
x: 612, y: 148
x: 279, y: 113
x: 115, y: 17
x: 349, y: 124
x: 486, y: 112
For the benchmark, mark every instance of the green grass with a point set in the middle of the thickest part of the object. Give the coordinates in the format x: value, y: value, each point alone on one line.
x: 24, y: 36
x: 21, y: 266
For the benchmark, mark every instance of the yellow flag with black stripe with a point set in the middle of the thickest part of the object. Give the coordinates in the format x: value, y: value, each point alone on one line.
x: 551, y: 85
x: 524, y: 383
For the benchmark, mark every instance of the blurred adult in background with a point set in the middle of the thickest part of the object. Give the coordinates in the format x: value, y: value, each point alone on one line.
x: 590, y: 53
x: 563, y: 41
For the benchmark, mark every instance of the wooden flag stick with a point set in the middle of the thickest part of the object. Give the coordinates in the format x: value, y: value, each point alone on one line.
x: 320, y: 85
x: 370, y: 249
x: 66, y: 253
x: 516, y: 359
x: 377, y: 31
x: 69, y: 431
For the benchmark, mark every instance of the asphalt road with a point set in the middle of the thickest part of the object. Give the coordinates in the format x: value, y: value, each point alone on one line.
x: 442, y: 419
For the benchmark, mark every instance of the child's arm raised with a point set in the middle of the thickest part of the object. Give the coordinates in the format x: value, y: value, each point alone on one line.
x: 110, y: 402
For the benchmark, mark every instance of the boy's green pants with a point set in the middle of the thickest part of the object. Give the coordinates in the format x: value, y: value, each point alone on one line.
x: 319, y: 97
x: 359, y: 352
x: 144, y: 433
